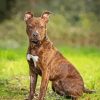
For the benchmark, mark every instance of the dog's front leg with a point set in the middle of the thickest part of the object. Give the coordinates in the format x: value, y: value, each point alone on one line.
x: 33, y: 81
x: 44, y: 84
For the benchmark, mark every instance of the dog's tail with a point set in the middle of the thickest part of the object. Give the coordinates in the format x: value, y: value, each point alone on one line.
x: 88, y: 91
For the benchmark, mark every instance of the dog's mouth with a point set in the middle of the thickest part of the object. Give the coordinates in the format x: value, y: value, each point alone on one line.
x: 35, y: 41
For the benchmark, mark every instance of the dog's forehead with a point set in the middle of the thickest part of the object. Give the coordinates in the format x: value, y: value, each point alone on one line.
x: 36, y: 21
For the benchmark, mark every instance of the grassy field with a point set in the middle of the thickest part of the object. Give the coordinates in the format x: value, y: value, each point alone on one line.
x: 14, y: 77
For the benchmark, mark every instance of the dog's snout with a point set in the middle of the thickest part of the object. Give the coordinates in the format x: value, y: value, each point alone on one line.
x: 35, y: 34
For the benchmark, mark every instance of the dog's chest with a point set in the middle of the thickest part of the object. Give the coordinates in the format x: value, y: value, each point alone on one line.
x: 41, y: 56
x: 34, y: 59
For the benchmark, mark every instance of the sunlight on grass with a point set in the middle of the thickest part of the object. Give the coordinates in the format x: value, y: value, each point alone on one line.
x: 14, y: 73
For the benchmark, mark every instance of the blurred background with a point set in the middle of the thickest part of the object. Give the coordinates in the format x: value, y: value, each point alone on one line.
x: 74, y: 22
x: 74, y: 28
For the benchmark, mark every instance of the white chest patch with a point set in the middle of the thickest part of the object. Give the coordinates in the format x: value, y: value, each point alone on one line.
x: 34, y: 58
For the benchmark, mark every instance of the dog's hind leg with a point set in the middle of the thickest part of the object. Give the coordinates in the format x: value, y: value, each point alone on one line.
x: 57, y: 88
x: 74, y: 98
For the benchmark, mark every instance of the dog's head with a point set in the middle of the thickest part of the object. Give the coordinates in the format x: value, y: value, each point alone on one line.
x: 36, y: 26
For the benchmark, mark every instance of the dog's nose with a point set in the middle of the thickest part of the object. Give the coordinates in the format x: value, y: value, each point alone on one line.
x: 35, y: 34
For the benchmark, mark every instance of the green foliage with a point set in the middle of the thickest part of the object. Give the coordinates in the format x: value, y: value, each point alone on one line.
x: 13, y: 33
x: 59, y: 25
x: 14, y: 74
x: 73, y: 22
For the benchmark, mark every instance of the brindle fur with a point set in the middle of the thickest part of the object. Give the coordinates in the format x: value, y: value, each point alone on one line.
x: 52, y: 65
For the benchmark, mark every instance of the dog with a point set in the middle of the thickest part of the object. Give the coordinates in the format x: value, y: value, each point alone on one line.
x: 45, y: 60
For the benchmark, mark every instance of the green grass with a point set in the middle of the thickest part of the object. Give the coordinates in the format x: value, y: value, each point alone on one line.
x: 14, y: 77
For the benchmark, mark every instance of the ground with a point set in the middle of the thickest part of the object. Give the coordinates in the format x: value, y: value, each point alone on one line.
x: 14, y: 76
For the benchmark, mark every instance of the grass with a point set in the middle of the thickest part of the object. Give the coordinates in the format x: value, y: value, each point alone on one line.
x: 14, y: 77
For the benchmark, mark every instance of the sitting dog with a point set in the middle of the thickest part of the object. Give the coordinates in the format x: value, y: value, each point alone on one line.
x: 45, y: 60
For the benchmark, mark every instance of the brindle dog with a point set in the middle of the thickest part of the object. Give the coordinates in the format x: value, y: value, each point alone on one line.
x: 45, y: 60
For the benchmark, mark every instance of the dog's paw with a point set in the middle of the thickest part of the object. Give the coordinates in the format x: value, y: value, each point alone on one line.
x: 28, y: 98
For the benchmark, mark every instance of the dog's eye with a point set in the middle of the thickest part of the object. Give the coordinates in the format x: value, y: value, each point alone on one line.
x: 30, y: 26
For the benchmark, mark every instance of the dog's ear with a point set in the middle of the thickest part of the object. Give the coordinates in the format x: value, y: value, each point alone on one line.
x: 28, y: 15
x: 45, y: 16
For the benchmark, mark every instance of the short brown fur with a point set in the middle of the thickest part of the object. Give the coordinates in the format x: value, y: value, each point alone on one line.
x: 66, y: 80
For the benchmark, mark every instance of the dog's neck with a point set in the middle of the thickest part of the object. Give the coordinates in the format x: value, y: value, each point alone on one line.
x: 38, y: 45
x: 37, y: 49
